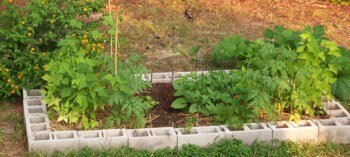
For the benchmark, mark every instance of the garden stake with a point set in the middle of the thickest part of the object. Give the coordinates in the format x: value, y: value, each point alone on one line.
x: 110, y: 16
x: 116, y: 44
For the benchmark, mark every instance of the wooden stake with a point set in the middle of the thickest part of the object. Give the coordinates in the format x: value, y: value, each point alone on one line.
x: 116, y: 44
x: 110, y: 16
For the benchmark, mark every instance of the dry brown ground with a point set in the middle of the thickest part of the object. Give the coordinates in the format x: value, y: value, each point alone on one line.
x: 159, y: 30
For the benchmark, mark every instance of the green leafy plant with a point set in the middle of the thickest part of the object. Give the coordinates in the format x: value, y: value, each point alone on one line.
x: 288, y: 38
x: 29, y: 35
x: 128, y: 106
x: 232, y: 148
x: 76, y: 83
x: 292, y: 73
x: 229, y: 49
x: 210, y: 95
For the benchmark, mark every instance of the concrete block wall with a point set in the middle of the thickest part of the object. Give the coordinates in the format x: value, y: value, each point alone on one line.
x: 168, y: 77
x: 250, y: 133
x: 42, y: 138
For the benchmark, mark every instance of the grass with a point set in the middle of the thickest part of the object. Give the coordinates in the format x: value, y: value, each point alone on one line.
x: 12, y: 131
x: 225, y: 148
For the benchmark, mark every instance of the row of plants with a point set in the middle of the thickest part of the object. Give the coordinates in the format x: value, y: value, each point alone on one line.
x: 47, y: 44
x: 287, y: 72
x: 225, y: 148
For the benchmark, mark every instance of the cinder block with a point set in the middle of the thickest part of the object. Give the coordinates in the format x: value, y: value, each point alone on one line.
x: 160, y: 77
x: 33, y: 107
x: 250, y: 133
x: 298, y: 132
x: 335, y: 110
x: 92, y: 139
x: 50, y: 142
x: 200, y: 136
x: 32, y: 94
x: 334, y: 130
x: 146, y: 77
x: 152, y: 138
x: 115, y: 138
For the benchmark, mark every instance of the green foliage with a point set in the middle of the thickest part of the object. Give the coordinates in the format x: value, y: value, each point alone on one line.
x: 210, y: 95
x: 202, y: 93
x: 341, y: 87
x: 129, y: 109
x: 192, y: 151
x: 230, y: 48
x: 292, y: 71
x: 230, y: 148
x: 313, y: 40
x: 76, y: 81
x: 29, y: 35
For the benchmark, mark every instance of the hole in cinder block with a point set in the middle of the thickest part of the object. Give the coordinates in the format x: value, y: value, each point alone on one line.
x: 332, y: 107
x: 92, y: 134
x: 189, y: 131
x: 303, y: 124
x: 158, y: 76
x: 175, y: 75
x: 40, y: 137
x: 36, y: 110
x: 328, y: 123
x: 235, y: 128
x: 255, y: 126
x: 339, y: 114
x: 345, y: 122
x: 139, y: 133
x: 281, y: 125
x: 64, y: 135
x: 34, y: 93
x: 39, y: 127
x: 34, y: 102
x: 161, y: 132
x: 37, y: 120
x: 209, y: 130
x: 113, y: 133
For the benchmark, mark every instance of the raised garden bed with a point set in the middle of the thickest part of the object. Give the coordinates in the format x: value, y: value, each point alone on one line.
x: 39, y: 132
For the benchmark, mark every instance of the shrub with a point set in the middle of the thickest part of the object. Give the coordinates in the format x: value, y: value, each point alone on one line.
x: 29, y: 35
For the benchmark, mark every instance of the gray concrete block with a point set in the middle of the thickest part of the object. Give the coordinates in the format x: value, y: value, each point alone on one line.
x: 299, y: 132
x: 92, y: 139
x: 115, y: 138
x: 200, y: 136
x: 152, y: 138
x: 250, y: 133
x: 335, y: 109
x: 32, y: 94
x: 34, y: 107
x: 51, y: 142
x: 334, y: 130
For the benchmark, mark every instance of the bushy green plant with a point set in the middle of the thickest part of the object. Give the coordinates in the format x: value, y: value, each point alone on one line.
x: 291, y: 72
x: 230, y: 148
x: 128, y: 107
x: 80, y: 81
x: 319, y: 44
x: 217, y: 93
x: 76, y: 82
x: 29, y: 35
x: 230, y: 49
x: 203, y: 93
